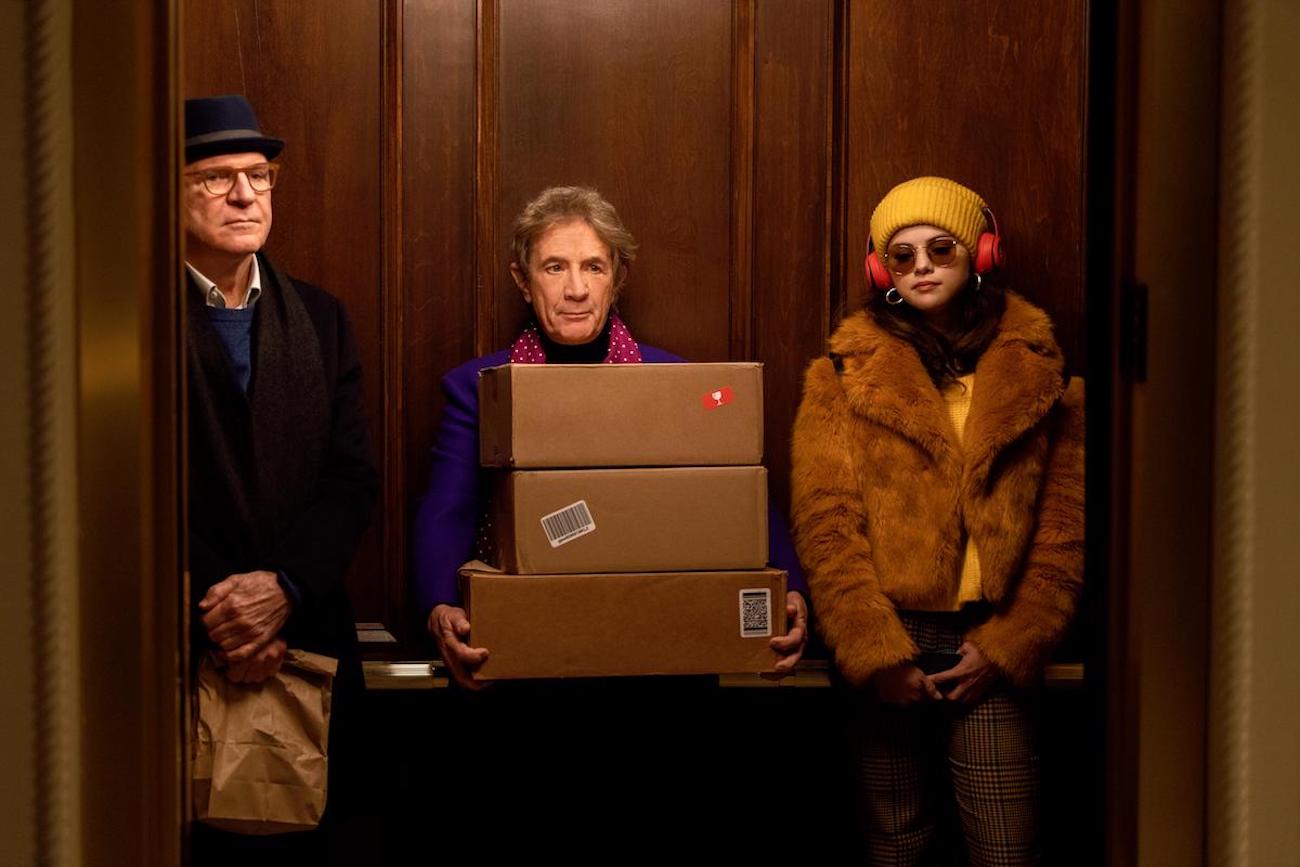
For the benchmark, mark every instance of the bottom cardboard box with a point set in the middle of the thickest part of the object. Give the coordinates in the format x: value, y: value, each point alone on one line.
x: 624, y: 624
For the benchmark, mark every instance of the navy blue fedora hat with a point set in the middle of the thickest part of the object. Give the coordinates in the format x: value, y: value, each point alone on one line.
x: 224, y: 125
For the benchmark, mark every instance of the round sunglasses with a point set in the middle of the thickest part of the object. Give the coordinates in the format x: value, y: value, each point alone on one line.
x: 901, y: 258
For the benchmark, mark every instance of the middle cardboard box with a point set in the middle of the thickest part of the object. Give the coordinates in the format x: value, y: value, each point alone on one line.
x: 629, y: 520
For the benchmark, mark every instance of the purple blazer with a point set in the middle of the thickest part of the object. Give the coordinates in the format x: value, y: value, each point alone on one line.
x: 448, y: 518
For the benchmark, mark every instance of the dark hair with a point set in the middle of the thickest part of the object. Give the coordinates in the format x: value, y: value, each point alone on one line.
x: 976, y: 313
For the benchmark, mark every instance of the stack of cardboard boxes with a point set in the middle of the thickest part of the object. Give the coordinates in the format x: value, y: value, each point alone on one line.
x: 629, y: 522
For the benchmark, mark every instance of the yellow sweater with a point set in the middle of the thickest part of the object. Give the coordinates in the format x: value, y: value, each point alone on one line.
x: 958, y: 397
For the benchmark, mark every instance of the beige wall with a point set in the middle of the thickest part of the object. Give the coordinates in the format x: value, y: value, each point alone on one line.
x: 1254, y: 748
x: 39, y: 731
x: 1275, y: 712
x: 1275, y: 727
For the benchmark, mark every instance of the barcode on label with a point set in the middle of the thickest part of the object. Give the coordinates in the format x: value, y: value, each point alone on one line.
x: 568, y: 523
x: 755, y: 613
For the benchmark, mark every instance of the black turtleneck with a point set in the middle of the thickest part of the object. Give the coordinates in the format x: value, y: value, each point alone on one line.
x: 592, y: 352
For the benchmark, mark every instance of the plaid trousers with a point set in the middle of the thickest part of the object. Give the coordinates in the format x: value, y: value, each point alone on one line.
x: 924, y: 772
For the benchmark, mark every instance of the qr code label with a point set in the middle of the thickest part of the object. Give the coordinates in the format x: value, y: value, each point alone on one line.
x: 568, y: 523
x: 755, y: 613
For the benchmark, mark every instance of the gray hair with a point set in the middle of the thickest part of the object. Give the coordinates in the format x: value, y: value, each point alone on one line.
x: 556, y: 205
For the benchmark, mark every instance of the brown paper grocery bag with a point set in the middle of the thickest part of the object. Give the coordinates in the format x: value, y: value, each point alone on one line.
x: 260, y: 749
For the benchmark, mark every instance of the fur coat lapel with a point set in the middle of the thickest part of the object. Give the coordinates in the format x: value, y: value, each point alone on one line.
x: 1017, y: 381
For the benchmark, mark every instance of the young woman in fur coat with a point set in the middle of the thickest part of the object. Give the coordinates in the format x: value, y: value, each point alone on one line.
x: 938, y: 511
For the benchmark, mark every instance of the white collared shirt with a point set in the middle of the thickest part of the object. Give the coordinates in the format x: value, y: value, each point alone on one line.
x: 212, y: 295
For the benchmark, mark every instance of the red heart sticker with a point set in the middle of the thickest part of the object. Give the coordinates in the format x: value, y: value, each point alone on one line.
x: 718, y: 397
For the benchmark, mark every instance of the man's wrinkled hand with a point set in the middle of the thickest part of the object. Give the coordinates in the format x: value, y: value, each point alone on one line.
x: 261, y: 665
x: 450, y: 628
x: 243, y: 613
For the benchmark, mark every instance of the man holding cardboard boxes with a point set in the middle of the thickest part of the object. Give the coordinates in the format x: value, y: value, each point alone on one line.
x: 642, y: 500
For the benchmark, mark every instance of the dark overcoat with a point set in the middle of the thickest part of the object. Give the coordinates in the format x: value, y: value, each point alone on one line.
x: 281, y: 477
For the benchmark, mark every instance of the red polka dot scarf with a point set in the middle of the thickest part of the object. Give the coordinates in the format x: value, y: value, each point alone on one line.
x: 528, y: 349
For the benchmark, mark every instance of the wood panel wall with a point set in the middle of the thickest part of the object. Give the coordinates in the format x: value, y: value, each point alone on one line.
x: 745, y: 144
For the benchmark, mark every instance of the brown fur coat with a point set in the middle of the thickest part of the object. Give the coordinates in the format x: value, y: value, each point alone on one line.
x: 883, y: 494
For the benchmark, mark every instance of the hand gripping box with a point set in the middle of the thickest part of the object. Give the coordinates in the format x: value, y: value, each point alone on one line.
x: 621, y: 415
x: 673, y: 519
x: 628, y: 624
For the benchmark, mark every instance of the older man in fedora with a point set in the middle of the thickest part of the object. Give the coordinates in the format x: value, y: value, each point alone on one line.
x: 281, y: 479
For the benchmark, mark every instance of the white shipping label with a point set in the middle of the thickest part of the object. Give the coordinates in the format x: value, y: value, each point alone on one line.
x: 568, y: 523
x: 756, y: 613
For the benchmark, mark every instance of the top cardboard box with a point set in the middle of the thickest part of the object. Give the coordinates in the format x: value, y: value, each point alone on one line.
x: 621, y: 415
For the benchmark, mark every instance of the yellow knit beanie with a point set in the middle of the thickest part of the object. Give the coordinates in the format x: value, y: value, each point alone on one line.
x: 929, y: 201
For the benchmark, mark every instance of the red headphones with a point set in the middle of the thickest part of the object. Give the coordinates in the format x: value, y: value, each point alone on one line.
x: 989, y: 256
